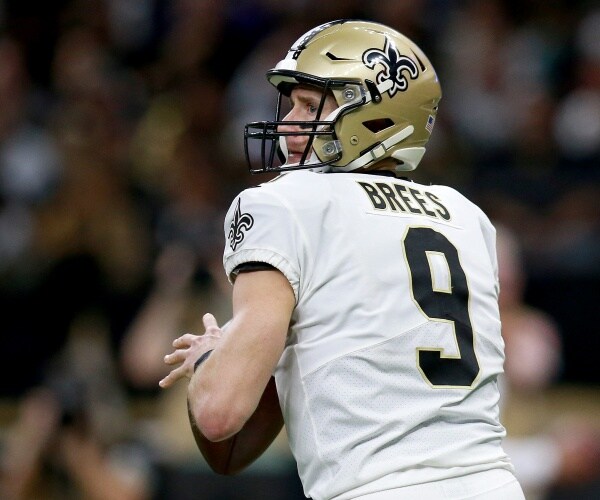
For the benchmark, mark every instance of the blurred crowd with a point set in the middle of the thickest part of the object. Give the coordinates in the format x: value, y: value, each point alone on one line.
x: 121, y: 146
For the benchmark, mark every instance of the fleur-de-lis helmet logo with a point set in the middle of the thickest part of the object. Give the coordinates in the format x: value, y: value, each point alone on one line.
x: 394, y: 65
x: 240, y: 223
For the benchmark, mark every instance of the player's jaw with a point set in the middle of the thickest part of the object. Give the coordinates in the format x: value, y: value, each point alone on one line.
x: 295, y: 145
x: 295, y: 155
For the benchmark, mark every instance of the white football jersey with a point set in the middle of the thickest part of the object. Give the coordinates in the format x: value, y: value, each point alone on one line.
x: 389, y: 374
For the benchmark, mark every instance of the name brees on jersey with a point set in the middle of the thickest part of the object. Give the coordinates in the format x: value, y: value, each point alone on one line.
x: 396, y: 197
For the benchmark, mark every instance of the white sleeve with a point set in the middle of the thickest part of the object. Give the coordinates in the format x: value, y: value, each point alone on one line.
x: 489, y: 236
x: 261, y: 227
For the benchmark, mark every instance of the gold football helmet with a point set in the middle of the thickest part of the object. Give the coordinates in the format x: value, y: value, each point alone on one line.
x: 386, y: 90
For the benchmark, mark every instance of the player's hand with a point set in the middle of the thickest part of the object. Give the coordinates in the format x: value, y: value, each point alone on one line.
x: 188, y: 348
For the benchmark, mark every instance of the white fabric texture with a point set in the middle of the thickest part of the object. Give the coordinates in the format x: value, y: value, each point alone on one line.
x: 386, y: 272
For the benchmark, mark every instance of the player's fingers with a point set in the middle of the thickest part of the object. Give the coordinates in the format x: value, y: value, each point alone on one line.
x: 172, y: 377
x: 175, y: 357
x: 184, y: 341
x: 210, y: 322
x: 166, y: 382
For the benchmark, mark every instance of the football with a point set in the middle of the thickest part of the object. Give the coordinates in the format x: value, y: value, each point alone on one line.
x: 234, y: 454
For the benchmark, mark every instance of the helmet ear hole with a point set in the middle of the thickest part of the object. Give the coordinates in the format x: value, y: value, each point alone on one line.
x: 378, y: 124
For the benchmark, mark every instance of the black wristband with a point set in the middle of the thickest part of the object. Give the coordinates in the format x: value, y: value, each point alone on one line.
x: 202, y: 359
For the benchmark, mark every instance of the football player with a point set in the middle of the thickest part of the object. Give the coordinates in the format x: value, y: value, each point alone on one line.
x: 365, y: 305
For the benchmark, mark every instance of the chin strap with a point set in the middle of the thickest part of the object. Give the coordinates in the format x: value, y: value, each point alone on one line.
x: 379, y: 151
x: 311, y: 160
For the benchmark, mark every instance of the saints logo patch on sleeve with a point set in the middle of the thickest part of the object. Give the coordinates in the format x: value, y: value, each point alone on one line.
x: 239, y: 225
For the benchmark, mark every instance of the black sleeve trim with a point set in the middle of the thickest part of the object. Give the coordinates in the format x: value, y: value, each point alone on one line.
x: 247, y: 267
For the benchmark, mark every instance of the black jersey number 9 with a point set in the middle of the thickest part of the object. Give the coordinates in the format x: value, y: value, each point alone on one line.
x: 448, y: 305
